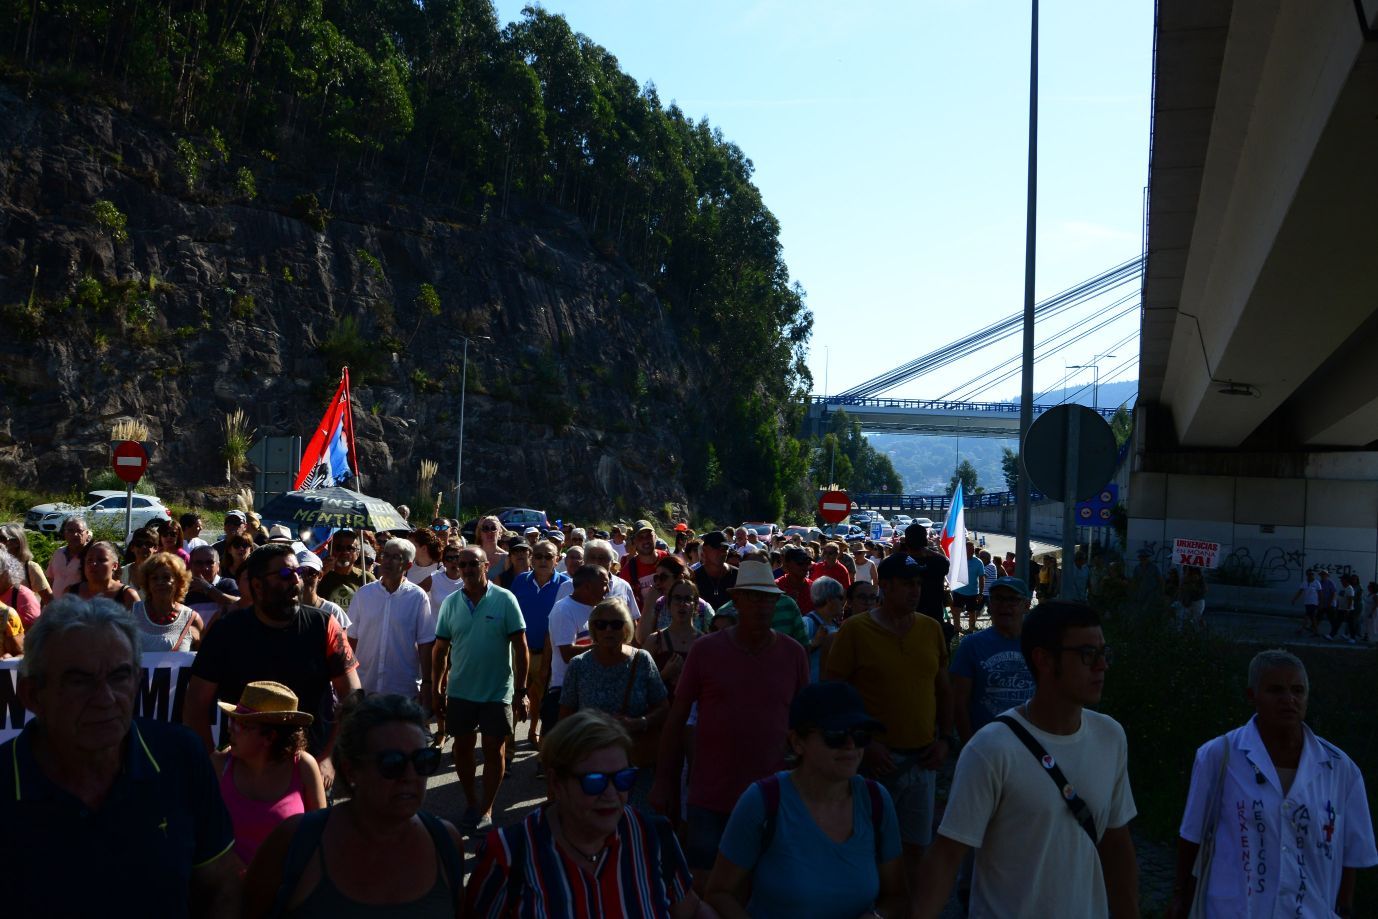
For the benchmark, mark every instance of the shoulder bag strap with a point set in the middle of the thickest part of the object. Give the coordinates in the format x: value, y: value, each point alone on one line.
x: 305, y: 841
x: 631, y: 679
x: 1068, y: 793
x: 183, y: 634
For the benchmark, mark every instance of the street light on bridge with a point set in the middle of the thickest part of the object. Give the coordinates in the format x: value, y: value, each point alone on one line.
x: 1094, y: 367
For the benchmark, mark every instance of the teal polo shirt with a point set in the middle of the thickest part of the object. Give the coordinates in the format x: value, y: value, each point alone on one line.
x: 162, y: 819
x: 480, y: 637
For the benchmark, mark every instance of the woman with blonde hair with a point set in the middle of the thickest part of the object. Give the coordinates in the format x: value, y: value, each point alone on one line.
x: 164, y: 622
x: 585, y: 849
x: 18, y: 543
x: 490, y: 534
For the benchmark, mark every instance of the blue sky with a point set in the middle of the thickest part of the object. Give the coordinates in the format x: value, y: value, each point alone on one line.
x: 890, y: 141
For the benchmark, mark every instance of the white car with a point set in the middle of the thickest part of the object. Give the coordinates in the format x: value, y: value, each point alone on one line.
x: 106, y: 511
x: 902, y: 520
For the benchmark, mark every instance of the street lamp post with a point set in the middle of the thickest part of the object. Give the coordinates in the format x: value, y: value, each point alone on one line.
x: 1022, y: 507
x: 1094, y: 367
x: 459, y: 461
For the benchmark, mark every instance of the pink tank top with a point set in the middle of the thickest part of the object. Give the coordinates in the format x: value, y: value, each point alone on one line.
x: 254, y: 820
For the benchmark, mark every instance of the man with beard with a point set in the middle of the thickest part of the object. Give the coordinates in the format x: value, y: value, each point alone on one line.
x: 277, y: 639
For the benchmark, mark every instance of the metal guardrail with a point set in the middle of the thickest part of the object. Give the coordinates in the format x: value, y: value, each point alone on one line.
x: 936, y: 502
x: 938, y: 405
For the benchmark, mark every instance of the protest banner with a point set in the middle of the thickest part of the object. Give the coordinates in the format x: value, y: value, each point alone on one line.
x: 162, y: 688
x: 1197, y: 552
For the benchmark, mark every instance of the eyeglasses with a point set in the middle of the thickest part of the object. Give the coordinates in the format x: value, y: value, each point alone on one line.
x: 288, y: 573
x: 393, y: 763
x: 606, y: 624
x: 440, y: 527
x: 594, y: 783
x: 837, y: 740
x: 1090, y: 654
x: 488, y: 528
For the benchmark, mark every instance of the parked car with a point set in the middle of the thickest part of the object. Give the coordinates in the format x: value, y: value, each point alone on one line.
x: 901, y: 521
x: 106, y: 511
x: 807, y: 533
x: 924, y: 522
x: 513, y: 518
x: 844, y: 531
x: 766, y: 531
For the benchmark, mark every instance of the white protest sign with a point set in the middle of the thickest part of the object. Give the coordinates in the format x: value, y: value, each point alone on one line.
x: 1199, y: 553
x: 161, y: 691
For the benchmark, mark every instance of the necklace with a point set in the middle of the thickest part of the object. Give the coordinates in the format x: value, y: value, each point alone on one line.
x: 591, y: 859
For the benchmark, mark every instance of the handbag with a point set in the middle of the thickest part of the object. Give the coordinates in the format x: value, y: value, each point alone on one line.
x: 646, y: 745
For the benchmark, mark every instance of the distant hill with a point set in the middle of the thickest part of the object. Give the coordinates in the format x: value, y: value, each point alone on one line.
x: 926, y: 462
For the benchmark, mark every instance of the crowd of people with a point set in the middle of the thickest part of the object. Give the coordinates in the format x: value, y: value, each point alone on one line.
x: 725, y: 726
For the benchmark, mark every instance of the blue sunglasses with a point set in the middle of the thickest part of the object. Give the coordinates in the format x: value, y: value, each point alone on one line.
x: 594, y: 783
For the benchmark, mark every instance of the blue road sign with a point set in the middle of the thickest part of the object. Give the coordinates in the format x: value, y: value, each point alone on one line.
x: 1097, y: 511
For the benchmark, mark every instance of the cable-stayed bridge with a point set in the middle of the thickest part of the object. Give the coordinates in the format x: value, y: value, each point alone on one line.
x: 1088, y: 307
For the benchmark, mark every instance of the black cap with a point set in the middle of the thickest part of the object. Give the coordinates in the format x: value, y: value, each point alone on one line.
x: 916, y: 532
x: 714, y: 539
x: 830, y: 706
x: 899, y: 565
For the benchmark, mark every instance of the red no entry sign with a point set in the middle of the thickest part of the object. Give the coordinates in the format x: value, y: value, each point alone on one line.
x: 129, y: 460
x: 834, y: 506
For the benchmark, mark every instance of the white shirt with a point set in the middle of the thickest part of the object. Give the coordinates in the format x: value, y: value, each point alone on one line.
x: 194, y: 543
x: 865, y: 571
x: 388, y: 628
x: 418, y: 573
x: 618, y: 588
x: 442, y: 587
x: 1033, y: 859
x: 1275, y: 854
x: 569, y: 620
x: 1309, y: 596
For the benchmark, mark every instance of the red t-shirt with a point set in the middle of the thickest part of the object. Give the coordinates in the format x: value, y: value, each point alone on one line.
x: 743, y: 720
x: 639, y: 575
x: 799, y: 593
x: 837, y: 571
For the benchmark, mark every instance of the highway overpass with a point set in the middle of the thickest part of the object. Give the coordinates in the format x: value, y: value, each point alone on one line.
x: 925, y: 416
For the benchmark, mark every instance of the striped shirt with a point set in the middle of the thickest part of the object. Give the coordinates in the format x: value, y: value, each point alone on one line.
x: 642, y: 872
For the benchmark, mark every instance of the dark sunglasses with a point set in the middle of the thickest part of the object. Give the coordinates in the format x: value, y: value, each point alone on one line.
x: 393, y: 763
x: 440, y: 527
x: 594, y: 783
x: 606, y: 623
x: 288, y: 573
x: 836, y: 740
x: 488, y: 527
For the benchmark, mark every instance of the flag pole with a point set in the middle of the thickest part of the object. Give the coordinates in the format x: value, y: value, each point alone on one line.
x: 349, y: 428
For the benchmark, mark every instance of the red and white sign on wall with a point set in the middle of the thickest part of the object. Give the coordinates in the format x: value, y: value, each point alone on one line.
x: 1195, y: 552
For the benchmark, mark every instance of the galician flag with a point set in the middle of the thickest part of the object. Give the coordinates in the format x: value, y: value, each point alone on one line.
x: 954, y: 541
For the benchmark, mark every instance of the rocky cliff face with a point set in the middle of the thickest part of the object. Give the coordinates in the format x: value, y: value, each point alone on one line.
x: 229, y: 288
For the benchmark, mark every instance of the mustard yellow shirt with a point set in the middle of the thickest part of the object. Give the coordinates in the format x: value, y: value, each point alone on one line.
x: 894, y: 675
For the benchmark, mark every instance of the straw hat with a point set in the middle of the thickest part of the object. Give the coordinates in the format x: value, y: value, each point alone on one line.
x: 755, y: 576
x: 266, y: 702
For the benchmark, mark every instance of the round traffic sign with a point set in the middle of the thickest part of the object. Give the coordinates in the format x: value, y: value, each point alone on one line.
x: 1045, y: 452
x: 129, y: 460
x: 834, y: 506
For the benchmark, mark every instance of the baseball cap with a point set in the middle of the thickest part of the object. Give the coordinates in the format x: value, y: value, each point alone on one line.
x: 714, y: 539
x: 308, y: 559
x: 642, y: 525
x: 235, y: 515
x: 830, y: 706
x: 1015, y: 584
x: 279, y: 533
x: 899, y: 566
x: 531, y: 531
x: 681, y: 527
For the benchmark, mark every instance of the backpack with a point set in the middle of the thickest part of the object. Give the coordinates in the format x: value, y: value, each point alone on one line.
x: 308, y: 838
x: 770, y: 795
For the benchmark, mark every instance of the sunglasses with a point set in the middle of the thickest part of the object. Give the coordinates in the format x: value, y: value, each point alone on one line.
x: 606, y: 624
x: 288, y: 574
x: 836, y: 740
x: 594, y: 783
x: 440, y: 527
x: 488, y: 528
x: 392, y: 764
